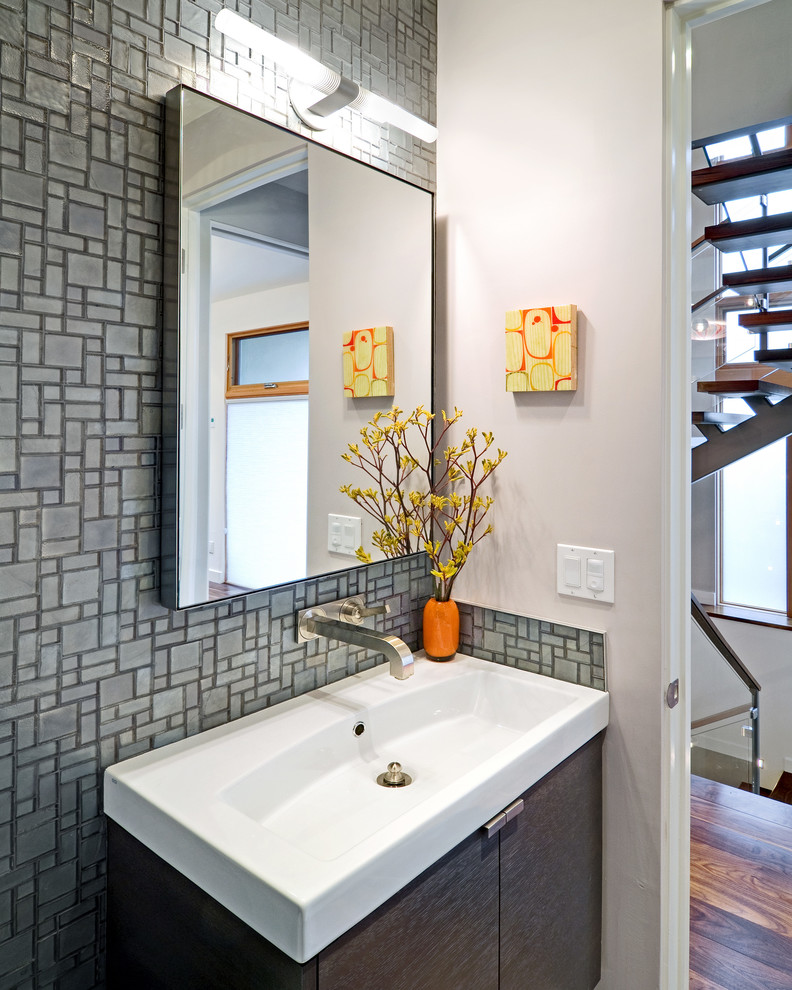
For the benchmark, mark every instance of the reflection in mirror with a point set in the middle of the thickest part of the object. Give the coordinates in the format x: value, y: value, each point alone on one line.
x: 285, y: 248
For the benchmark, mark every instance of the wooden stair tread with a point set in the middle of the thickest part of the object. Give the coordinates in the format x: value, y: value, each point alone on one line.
x: 763, y: 791
x: 744, y: 177
x: 731, y: 387
x: 776, y: 319
x: 703, y: 418
x: 748, y: 379
x: 760, y: 280
x: 745, y: 235
x: 783, y: 788
x: 714, y: 802
x: 781, y: 357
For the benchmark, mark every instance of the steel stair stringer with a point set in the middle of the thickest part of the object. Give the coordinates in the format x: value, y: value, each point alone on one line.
x: 768, y: 424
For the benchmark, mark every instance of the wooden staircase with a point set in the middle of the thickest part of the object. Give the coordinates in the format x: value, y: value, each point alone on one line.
x: 745, y: 235
x: 743, y: 177
x: 766, y: 383
x: 760, y: 280
x: 783, y: 788
x: 777, y: 319
x: 781, y: 792
x: 767, y: 421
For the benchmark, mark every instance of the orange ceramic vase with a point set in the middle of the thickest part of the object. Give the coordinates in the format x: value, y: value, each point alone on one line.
x: 440, y: 629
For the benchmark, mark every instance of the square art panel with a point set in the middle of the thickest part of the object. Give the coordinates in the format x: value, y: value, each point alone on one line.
x: 541, y: 349
x: 368, y: 362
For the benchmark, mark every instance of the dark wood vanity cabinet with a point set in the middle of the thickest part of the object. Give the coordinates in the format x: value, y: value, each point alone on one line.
x: 551, y: 880
x: 520, y: 910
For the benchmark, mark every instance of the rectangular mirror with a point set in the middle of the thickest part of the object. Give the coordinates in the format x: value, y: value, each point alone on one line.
x: 277, y: 251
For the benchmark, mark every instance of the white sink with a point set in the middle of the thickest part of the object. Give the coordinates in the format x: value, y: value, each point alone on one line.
x: 279, y: 817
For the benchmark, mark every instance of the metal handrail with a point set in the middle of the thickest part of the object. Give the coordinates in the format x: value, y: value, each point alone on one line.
x: 711, y: 631
x: 780, y: 251
x: 713, y: 634
x: 700, y: 723
x: 707, y: 299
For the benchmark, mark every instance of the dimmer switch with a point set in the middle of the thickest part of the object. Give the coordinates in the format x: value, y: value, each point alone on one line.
x: 595, y: 574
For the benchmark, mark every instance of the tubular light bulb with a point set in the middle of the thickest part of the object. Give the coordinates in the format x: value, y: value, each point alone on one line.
x: 296, y: 63
x: 385, y: 112
x: 307, y: 70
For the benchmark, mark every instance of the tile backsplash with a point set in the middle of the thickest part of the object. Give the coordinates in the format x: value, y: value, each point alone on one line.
x: 537, y: 645
x: 92, y: 668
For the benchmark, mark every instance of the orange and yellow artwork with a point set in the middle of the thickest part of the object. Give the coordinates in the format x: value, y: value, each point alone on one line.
x: 368, y: 362
x: 541, y: 349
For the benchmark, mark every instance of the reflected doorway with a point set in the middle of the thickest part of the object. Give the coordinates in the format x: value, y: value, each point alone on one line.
x: 259, y: 416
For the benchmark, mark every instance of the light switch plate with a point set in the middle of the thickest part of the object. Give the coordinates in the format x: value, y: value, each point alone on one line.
x: 585, y: 572
x: 344, y: 534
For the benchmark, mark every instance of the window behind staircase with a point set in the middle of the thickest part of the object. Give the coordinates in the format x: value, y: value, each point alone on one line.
x: 755, y: 493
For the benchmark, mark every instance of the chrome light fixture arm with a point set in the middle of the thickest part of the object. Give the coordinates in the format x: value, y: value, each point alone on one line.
x: 339, y: 91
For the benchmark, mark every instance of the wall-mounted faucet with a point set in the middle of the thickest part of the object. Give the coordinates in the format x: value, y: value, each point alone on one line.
x: 342, y: 620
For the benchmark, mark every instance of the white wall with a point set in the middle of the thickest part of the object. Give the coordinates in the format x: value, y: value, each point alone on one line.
x: 219, y: 143
x: 742, y: 70
x: 371, y: 265
x: 550, y: 191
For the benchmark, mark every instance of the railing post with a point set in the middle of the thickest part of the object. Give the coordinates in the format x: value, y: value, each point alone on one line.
x: 755, y: 759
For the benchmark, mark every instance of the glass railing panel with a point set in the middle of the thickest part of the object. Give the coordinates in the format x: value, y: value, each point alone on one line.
x: 721, y: 724
x: 721, y: 751
x: 720, y: 347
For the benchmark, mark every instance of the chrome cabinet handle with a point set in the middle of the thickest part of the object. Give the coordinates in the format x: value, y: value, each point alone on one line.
x: 495, y: 824
x: 514, y: 809
x: 508, y: 814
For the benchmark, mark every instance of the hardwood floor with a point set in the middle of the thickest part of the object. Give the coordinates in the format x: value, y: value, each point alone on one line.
x: 217, y: 592
x: 741, y: 890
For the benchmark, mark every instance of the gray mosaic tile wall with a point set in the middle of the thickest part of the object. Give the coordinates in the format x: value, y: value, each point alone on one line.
x: 92, y: 669
x: 575, y: 655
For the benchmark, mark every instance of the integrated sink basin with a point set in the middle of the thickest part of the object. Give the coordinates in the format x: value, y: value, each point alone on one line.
x: 279, y: 816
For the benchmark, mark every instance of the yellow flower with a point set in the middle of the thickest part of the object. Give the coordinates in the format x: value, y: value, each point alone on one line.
x: 430, y: 519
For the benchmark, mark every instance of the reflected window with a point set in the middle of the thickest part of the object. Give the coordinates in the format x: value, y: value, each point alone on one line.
x: 271, y: 361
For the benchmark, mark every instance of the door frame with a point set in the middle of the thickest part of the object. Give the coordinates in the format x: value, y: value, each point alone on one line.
x: 680, y: 17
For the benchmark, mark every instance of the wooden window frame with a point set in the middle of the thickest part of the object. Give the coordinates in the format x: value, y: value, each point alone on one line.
x: 259, y: 390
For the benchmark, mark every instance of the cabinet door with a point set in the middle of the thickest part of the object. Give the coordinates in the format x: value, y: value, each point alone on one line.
x: 165, y: 933
x: 439, y: 933
x: 551, y: 880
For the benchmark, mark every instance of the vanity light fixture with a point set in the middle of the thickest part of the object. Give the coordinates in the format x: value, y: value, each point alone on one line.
x: 309, y: 79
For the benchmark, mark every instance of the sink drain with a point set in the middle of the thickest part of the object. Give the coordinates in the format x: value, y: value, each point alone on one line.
x: 394, y: 776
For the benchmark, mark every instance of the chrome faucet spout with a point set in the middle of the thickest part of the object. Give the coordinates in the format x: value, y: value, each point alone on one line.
x: 394, y: 649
